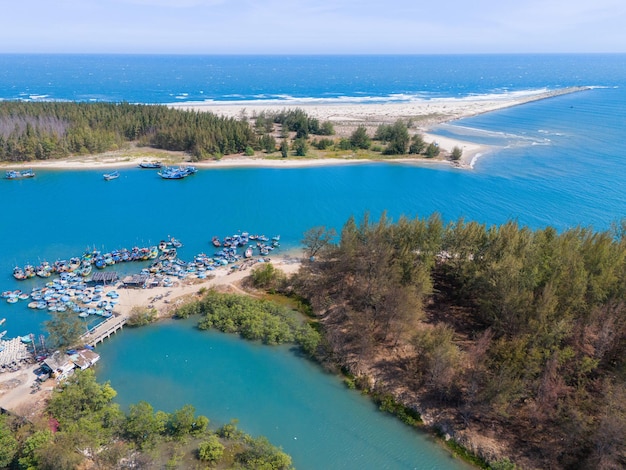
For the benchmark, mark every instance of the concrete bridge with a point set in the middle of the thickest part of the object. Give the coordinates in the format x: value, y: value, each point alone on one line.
x: 105, y: 329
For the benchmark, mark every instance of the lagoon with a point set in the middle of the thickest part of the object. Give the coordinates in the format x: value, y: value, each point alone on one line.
x: 271, y: 391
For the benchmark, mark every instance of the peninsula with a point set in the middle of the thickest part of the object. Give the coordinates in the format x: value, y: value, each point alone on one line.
x: 242, y: 118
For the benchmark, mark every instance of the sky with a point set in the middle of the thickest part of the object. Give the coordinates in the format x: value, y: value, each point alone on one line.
x: 312, y: 26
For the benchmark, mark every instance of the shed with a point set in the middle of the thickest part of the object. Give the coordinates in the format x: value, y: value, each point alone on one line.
x: 136, y: 280
x: 104, y: 277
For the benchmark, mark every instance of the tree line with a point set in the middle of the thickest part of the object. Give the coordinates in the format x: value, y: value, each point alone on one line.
x: 49, y: 130
x: 506, y: 328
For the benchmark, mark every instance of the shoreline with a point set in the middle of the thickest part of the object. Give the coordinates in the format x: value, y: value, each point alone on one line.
x: 15, y: 387
x: 345, y: 116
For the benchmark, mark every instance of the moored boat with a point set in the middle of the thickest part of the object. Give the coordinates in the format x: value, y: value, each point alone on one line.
x: 150, y: 165
x: 171, y: 173
x: 111, y: 176
x: 16, y: 174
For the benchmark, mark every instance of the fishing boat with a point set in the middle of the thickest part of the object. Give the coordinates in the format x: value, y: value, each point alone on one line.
x: 170, y: 173
x: 111, y: 176
x: 216, y: 242
x: 18, y: 273
x: 248, y: 252
x: 150, y: 165
x: 16, y: 174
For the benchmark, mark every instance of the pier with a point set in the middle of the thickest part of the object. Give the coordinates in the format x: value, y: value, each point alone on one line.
x: 105, y: 329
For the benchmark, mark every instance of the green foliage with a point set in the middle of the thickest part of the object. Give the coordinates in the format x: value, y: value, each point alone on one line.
x: 8, y: 443
x: 388, y: 403
x: 465, y: 454
x: 46, y: 130
x: 249, y: 151
x: 323, y: 144
x: 64, y: 329
x: 344, y: 144
x: 34, y: 445
x: 266, y: 276
x: 396, y: 136
x: 182, y: 422
x: 261, y: 455
x: 326, y: 128
x: 80, y: 396
x: 230, y: 431
x: 284, y: 148
x: 89, y: 424
x: 296, y: 120
x: 359, y: 138
x: 268, y: 143
x: 300, y: 147
x: 456, y: 154
x: 253, y: 319
x: 417, y: 144
x: 141, y: 316
x: 432, y: 150
x: 211, y: 450
x: 143, y: 426
x: 503, y: 464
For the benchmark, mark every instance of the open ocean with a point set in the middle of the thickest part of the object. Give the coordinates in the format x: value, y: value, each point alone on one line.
x: 555, y: 162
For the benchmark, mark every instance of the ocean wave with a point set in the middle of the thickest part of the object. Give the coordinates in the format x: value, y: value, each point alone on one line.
x: 419, y: 97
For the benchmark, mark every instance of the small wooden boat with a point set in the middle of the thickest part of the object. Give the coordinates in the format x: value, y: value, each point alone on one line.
x: 150, y: 165
x: 111, y: 176
x: 216, y: 242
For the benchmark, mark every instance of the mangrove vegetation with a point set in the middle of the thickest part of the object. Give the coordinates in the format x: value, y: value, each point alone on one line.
x: 83, y: 428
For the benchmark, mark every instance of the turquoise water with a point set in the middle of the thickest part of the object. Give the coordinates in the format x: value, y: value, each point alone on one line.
x: 272, y: 392
x: 555, y: 162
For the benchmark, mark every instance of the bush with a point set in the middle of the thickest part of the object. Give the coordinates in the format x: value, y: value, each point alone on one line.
x: 359, y: 138
x: 211, y: 450
x: 141, y: 316
x: 300, y: 146
x: 323, y: 144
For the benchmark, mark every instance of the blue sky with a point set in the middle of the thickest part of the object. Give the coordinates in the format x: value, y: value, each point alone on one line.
x: 308, y: 26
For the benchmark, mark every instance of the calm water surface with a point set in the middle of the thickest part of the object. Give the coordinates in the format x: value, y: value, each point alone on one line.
x: 271, y: 390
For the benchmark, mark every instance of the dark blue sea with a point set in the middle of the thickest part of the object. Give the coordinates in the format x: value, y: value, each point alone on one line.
x: 556, y: 162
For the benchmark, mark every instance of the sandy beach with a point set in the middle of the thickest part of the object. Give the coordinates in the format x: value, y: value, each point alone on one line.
x: 422, y: 116
x: 16, y: 394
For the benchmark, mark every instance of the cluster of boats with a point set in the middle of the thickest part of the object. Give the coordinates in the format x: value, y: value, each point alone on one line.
x: 84, y: 264
x: 69, y: 292
x: 177, y: 173
x: 168, y: 173
x: 248, y: 242
x: 16, y: 174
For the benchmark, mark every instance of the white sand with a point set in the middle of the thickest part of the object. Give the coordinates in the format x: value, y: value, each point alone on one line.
x: 346, y: 117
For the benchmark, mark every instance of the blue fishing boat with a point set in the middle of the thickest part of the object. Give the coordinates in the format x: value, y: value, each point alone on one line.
x: 111, y: 176
x: 170, y: 173
x: 16, y: 174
